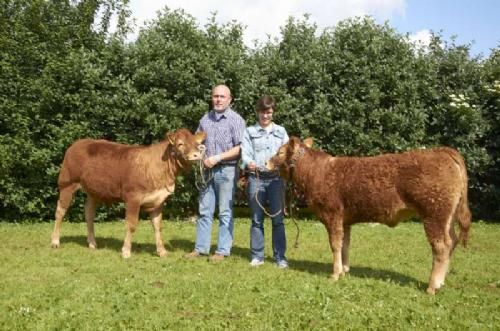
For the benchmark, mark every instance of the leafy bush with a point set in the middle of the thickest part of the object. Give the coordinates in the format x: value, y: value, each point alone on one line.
x: 359, y: 88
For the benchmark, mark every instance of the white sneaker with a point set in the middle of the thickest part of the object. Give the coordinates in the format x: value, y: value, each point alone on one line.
x: 256, y: 262
x: 282, y: 264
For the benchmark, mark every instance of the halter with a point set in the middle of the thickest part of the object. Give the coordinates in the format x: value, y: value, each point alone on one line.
x: 295, y: 157
x: 174, y: 152
x: 177, y: 156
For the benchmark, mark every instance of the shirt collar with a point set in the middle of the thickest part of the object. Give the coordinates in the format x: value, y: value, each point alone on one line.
x: 259, y: 128
x: 218, y: 115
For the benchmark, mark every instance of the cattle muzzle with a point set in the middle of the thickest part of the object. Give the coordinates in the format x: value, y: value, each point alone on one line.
x: 270, y: 166
x: 191, y: 156
x: 199, y: 155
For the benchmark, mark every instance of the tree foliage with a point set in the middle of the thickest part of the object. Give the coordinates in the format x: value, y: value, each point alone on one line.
x: 359, y: 88
x: 56, y: 86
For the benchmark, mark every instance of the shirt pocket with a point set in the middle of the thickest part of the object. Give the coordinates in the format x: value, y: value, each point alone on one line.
x: 278, y: 134
x: 258, y: 142
x: 278, y: 137
x: 225, y: 136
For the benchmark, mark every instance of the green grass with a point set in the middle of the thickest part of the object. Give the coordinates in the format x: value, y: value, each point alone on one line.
x: 76, y: 288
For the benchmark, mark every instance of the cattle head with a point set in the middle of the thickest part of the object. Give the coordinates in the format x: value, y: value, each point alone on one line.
x: 184, y: 146
x: 287, y: 156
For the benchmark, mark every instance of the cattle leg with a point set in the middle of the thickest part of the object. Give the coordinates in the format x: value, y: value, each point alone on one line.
x: 336, y: 233
x: 131, y: 219
x: 65, y: 196
x: 454, y: 239
x: 156, y: 217
x: 442, y: 245
x: 345, y: 247
x: 90, y: 207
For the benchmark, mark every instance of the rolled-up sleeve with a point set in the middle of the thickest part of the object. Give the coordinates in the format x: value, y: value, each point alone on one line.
x: 239, y: 129
x: 247, y: 153
x: 285, y: 138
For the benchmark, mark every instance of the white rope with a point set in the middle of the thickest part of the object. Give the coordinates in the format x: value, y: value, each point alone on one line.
x: 201, y: 180
x: 282, y: 209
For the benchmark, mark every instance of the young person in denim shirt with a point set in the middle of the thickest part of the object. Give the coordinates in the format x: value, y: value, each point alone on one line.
x: 260, y: 142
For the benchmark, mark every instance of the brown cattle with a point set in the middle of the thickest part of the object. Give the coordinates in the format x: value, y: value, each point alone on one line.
x: 141, y: 176
x: 430, y: 184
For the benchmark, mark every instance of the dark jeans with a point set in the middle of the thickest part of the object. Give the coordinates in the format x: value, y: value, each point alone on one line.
x: 270, y: 195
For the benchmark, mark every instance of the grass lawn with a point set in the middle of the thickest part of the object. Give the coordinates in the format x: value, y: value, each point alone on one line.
x: 76, y: 288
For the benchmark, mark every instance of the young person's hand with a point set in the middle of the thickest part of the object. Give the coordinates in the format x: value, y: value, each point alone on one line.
x: 251, y: 166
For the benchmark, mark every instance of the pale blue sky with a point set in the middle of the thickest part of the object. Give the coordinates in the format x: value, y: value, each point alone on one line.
x: 476, y: 21
x: 471, y: 21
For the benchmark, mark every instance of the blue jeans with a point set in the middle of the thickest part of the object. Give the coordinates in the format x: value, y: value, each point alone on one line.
x: 219, y: 192
x: 270, y: 190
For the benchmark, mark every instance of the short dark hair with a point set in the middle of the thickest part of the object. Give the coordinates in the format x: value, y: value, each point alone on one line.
x: 265, y: 102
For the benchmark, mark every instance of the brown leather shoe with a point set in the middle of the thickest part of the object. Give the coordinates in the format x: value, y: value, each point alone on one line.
x: 192, y: 255
x: 216, y: 258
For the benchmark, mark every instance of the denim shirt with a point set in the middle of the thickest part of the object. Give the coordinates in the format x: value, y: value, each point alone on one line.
x: 259, y: 146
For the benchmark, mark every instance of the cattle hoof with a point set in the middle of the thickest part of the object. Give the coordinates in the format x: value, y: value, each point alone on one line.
x: 55, y: 244
x: 346, y: 268
x: 92, y: 245
x: 431, y: 291
x: 162, y: 253
x: 334, y: 277
x: 125, y: 254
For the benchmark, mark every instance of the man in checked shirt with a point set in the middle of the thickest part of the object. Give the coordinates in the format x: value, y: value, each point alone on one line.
x: 224, y: 128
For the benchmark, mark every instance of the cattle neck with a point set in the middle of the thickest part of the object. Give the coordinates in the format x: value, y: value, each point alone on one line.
x: 171, y: 160
x: 306, y: 166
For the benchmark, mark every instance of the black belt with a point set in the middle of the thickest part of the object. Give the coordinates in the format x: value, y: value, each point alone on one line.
x: 224, y: 164
x: 265, y: 174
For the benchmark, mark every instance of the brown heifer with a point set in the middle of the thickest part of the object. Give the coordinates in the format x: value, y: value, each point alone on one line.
x: 140, y: 176
x: 431, y: 184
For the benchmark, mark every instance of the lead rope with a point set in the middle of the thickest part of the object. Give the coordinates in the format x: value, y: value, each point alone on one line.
x: 260, y: 205
x: 201, y: 180
x: 290, y: 207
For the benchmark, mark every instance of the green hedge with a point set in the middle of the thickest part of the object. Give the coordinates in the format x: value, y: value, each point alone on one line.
x: 359, y: 88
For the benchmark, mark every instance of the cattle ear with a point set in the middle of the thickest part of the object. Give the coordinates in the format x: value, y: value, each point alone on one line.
x: 200, y: 137
x: 308, y: 142
x: 170, y: 137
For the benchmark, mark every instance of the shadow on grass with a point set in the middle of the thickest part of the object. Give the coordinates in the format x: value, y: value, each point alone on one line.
x: 173, y: 245
x: 180, y: 245
x: 358, y: 272
x: 316, y: 268
x: 311, y: 267
x: 188, y: 246
x: 110, y: 244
